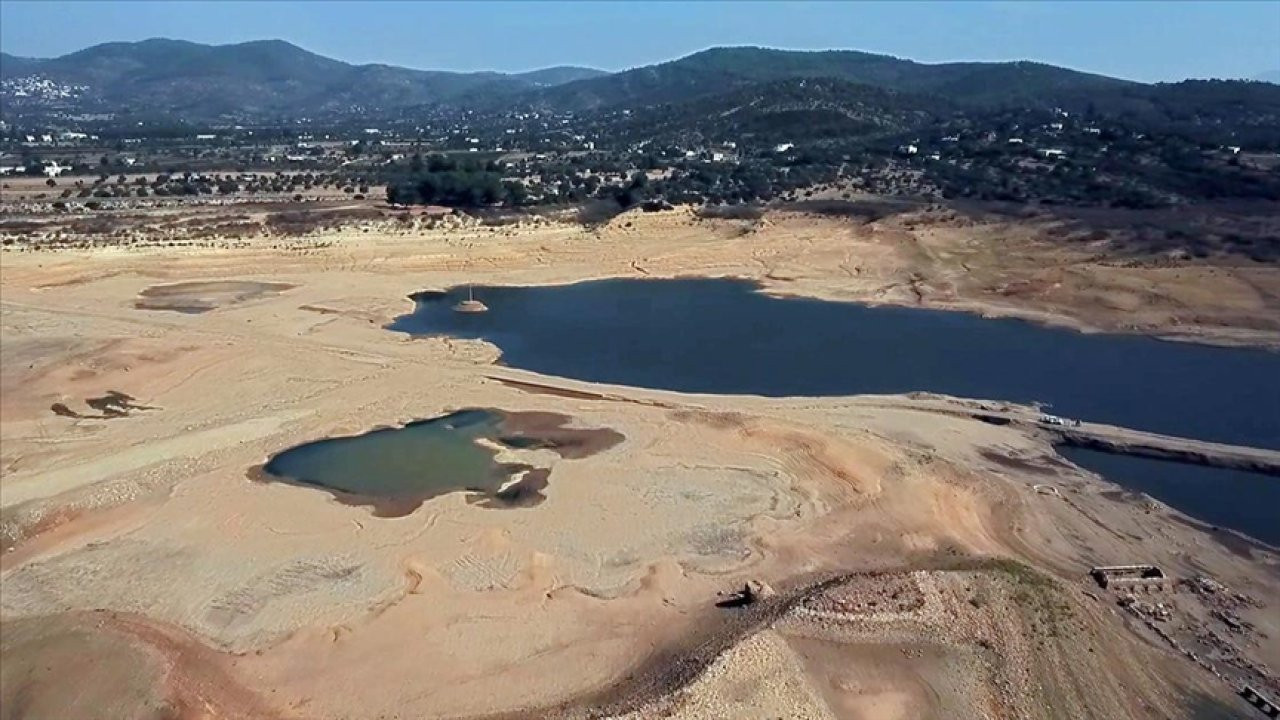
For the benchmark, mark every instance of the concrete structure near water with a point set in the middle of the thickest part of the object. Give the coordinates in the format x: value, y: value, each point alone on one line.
x: 1265, y: 705
x: 1130, y: 577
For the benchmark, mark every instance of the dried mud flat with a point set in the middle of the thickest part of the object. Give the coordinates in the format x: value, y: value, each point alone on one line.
x: 137, y: 541
x: 203, y: 296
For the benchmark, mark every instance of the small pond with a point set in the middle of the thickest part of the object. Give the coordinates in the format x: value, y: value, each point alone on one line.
x: 394, y: 470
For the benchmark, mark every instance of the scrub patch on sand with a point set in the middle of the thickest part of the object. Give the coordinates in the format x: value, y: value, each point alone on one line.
x: 114, y: 404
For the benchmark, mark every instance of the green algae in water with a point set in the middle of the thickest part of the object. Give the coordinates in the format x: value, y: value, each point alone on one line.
x: 396, y: 469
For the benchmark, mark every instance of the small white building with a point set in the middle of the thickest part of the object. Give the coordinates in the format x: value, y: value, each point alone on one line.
x: 1053, y: 153
x: 783, y: 147
x: 53, y: 169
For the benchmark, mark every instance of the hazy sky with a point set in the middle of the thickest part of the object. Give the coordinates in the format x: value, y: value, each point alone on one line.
x: 1138, y: 40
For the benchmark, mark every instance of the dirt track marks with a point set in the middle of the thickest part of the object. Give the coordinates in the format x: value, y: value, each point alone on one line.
x: 239, y: 606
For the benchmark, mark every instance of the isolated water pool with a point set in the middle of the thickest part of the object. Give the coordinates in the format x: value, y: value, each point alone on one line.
x: 396, y: 469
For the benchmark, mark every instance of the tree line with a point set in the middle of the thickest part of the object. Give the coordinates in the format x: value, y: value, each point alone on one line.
x: 453, y: 182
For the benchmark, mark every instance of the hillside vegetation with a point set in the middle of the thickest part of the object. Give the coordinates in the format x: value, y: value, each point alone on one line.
x: 725, y: 125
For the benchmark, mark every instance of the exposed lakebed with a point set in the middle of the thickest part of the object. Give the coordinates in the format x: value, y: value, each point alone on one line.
x: 723, y: 336
x: 394, y: 470
x: 193, y: 298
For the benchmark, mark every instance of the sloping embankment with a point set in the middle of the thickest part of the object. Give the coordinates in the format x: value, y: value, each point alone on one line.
x: 1163, y: 447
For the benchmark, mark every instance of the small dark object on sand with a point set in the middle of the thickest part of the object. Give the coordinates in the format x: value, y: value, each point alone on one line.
x: 753, y: 591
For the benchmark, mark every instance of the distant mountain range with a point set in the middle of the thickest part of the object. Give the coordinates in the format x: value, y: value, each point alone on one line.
x: 274, y: 81
x: 250, y: 80
x: 718, y: 70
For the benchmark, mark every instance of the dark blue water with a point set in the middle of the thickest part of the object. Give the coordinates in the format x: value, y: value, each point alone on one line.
x: 1244, y: 501
x: 721, y: 336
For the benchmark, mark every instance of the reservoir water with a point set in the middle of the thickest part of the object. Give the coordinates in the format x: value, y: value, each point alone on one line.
x: 1244, y: 501
x: 722, y: 336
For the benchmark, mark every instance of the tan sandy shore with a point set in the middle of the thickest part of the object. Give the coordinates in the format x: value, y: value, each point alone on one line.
x: 137, y: 537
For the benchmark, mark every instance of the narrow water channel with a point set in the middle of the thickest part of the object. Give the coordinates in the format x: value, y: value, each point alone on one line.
x: 1243, y: 501
x: 722, y: 336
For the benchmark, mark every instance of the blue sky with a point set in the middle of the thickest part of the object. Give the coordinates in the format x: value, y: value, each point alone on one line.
x: 1139, y: 40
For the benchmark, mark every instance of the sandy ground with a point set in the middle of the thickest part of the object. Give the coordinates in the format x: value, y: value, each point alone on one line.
x: 135, y: 535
